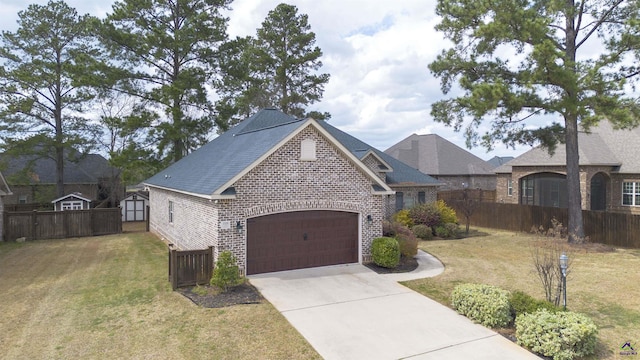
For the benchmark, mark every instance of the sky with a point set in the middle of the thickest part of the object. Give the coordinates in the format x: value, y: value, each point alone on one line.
x: 376, y: 51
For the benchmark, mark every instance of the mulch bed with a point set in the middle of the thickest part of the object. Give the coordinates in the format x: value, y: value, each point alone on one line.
x: 406, y: 265
x: 210, y: 297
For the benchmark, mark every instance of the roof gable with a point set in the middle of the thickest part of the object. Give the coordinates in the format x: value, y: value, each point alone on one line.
x: 74, y: 196
x: 434, y: 155
x: 211, y: 170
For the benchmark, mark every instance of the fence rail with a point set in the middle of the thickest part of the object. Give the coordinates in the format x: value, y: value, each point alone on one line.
x: 190, y: 267
x: 475, y: 194
x: 40, y: 225
x: 602, y: 227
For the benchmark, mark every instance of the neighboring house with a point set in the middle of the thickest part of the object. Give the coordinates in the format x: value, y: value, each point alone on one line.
x: 4, y: 192
x: 33, y: 179
x: 497, y: 161
x: 75, y: 201
x: 609, y: 173
x: 281, y: 193
x: 445, y: 161
x: 134, y: 206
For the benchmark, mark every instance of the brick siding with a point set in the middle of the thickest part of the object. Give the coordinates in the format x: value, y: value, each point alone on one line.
x: 281, y: 183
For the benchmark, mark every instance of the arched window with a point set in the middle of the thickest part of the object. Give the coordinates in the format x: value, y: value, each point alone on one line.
x: 544, y: 189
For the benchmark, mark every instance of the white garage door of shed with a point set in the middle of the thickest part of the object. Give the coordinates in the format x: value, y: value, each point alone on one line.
x: 134, y: 210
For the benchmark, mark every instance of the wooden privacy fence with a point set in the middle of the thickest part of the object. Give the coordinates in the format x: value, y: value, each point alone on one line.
x: 475, y: 194
x: 602, y: 227
x: 190, y: 267
x: 40, y: 225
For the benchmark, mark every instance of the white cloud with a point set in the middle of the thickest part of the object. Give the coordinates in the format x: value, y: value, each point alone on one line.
x: 376, y: 52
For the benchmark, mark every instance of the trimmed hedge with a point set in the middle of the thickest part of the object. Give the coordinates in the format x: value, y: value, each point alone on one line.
x: 485, y: 304
x: 423, y: 232
x: 560, y: 335
x: 385, y: 252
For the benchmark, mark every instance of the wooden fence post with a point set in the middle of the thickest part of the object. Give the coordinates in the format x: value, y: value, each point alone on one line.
x: 34, y: 224
x: 148, y: 212
x: 173, y: 271
x: 210, y: 265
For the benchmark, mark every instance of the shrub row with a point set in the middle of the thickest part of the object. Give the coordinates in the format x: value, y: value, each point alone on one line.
x: 539, y: 325
x: 485, y: 304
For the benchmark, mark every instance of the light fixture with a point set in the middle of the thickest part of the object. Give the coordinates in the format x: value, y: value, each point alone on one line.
x: 369, y: 219
x: 564, y: 264
x: 239, y: 227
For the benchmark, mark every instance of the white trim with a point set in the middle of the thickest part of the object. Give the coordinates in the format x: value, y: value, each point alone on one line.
x: 208, y: 197
x: 71, y: 195
x: 371, y: 152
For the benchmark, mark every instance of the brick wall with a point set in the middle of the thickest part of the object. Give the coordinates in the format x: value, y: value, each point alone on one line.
x: 410, y: 197
x: 457, y: 182
x: 613, y: 186
x: 281, y: 183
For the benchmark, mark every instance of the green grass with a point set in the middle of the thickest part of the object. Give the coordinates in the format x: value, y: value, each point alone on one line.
x: 603, y: 283
x: 108, y: 297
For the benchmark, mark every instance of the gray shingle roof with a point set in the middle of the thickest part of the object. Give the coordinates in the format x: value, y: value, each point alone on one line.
x: 207, y: 170
x: 434, y: 155
x: 401, y: 173
x: 88, y: 169
x: 603, y: 145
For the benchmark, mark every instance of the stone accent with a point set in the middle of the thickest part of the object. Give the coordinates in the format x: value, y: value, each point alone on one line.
x: 281, y: 183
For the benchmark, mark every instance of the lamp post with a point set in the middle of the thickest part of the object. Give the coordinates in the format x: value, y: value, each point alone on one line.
x: 564, y: 263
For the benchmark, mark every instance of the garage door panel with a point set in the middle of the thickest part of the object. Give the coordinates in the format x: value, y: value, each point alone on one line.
x: 277, y: 242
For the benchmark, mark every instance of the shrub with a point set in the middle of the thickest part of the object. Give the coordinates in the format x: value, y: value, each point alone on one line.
x: 407, y: 242
x: 385, y: 252
x: 485, y: 304
x: 403, y: 218
x: 226, y: 273
x: 447, y: 214
x: 423, y: 232
x: 560, y: 335
x: 425, y: 214
x: 522, y: 303
x: 448, y: 231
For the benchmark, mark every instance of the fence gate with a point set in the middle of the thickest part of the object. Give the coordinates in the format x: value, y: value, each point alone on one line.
x: 190, y: 267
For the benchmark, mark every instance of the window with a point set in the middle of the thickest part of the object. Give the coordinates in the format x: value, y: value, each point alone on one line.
x: 22, y: 199
x: 510, y: 187
x: 421, y: 197
x: 170, y: 211
x: 544, y: 189
x: 308, y: 150
x: 71, y: 205
x: 631, y: 193
x: 399, y: 201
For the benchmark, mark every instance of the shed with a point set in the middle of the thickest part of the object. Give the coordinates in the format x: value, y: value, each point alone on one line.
x: 134, y: 207
x: 75, y: 201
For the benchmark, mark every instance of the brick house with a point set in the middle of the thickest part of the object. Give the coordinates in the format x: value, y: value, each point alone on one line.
x: 33, y: 179
x: 609, y: 173
x: 281, y: 193
x: 453, y: 166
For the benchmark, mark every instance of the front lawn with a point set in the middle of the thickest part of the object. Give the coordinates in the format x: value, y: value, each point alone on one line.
x: 108, y: 298
x: 603, y: 283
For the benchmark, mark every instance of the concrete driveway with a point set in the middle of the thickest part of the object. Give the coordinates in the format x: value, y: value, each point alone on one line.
x: 351, y: 312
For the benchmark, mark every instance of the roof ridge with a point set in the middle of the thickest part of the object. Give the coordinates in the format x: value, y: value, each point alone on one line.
x: 243, y: 132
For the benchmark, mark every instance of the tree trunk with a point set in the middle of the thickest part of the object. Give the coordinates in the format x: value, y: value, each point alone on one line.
x: 575, y: 227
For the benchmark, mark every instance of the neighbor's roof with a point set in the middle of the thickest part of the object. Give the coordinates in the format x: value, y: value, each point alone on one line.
x: 603, y: 145
x: 401, y: 173
x: 434, y: 155
x: 88, y: 169
x: 212, y: 168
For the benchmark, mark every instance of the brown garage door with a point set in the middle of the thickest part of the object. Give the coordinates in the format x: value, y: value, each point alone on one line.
x: 302, y: 239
